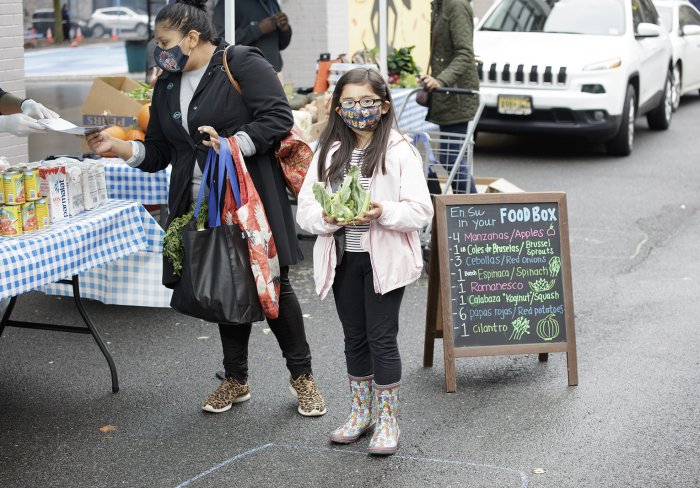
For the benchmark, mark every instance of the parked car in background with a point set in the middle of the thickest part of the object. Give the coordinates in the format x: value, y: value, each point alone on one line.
x: 579, y: 67
x: 683, y: 23
x: 104, y: 20
x: 43, y: 19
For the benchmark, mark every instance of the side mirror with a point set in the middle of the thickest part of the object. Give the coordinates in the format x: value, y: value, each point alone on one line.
x: 691, y: 30
x: 646, y: 29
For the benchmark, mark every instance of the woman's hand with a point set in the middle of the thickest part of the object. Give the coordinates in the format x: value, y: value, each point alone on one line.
x: 430, y: 83
x: 102, y: 142
x: 214, y: 140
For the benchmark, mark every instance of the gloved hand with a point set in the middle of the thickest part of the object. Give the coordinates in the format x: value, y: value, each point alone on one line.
x: 20, y: 125
x: 37, y: 110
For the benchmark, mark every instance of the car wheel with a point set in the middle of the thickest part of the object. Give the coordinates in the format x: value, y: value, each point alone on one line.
x: 660, y: 117
x: 98, y: 31
x: 622, y: 143
x: 142, y: 30
x: 676, y: 87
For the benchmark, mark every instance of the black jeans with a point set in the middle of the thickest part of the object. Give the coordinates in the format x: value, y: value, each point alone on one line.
x: 449, y: 152
x: 288, y: 328
x: 370, y: 321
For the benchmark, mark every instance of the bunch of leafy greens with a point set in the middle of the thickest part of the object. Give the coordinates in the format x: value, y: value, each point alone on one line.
x: 173, y: 249
x: 143, y: 92
x: 349, y: 202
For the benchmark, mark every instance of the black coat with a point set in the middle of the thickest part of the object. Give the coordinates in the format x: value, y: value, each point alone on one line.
x: 248, y: 14
x: 262, y: 112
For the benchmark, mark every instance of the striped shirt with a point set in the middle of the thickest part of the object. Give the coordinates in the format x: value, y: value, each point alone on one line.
x: 353, y: 233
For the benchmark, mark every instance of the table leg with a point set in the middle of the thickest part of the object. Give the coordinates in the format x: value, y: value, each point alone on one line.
x: 6, y: 315
x: 95, y: 334
x: 64, y: 328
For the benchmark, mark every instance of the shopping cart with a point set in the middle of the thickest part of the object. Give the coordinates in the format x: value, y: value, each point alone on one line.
x: 448, y: 158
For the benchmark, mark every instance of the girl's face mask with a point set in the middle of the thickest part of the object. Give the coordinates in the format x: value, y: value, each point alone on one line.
x: 173, y: 59
x: 361, y: 118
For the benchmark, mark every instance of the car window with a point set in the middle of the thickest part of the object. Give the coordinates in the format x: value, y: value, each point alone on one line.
x: 649, y: 13
x: 666, y: 14
x: 593, y: 17
x: 637, y: 17
x: 688, y: 16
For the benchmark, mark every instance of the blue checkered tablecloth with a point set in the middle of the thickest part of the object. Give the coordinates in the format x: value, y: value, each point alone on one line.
x: 134, y: 280
x: 70, y: 247
x: 127, y: 183
x: 412, y: 119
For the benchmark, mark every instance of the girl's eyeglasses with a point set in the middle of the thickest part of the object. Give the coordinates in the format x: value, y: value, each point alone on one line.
x: 364, y: 102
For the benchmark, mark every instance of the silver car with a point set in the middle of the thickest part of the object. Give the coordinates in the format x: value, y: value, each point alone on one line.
x: 105, y: 20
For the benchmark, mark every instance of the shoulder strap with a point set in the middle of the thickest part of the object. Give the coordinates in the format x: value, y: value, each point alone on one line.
x: 235, y: 84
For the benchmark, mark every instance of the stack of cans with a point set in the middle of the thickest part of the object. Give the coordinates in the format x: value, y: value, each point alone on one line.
x: 23, y: 208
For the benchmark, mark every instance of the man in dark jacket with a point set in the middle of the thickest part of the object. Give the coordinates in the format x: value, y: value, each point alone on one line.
x: 259, y: 23
x: 452, y: 66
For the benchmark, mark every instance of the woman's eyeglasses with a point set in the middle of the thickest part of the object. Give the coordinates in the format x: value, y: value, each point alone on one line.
x: 364, y: 102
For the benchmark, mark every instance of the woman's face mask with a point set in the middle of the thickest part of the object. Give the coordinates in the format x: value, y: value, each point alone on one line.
x: 173, y: 59
x: 361, y: 118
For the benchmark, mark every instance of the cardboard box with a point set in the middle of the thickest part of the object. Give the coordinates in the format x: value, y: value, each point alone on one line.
x: 107, y: 95
x: 495, y: 185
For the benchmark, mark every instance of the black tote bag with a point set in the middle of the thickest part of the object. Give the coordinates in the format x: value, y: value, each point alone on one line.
x: 216, y: 283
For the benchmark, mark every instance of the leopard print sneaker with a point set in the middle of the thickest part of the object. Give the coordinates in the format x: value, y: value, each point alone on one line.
x: 230, y: 391
x: 311, y: 403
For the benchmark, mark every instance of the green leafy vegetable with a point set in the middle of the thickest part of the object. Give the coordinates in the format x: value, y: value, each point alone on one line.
x: 143, y: 92
x: 173, y: 248
x: 349, y: 202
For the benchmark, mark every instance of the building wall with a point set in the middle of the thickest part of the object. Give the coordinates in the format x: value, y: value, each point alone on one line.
x: 318, y: 26
x: 12, y: 71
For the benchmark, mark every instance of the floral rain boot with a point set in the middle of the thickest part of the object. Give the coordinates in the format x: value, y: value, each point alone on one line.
x: 385, y: 440
x: 360, y: 419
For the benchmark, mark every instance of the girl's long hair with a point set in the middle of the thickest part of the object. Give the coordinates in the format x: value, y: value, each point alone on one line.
x: 336, y: 130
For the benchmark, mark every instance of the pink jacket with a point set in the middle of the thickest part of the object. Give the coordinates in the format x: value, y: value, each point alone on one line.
x: 392, y: 241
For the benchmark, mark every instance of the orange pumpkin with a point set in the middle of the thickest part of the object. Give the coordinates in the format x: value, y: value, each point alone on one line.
x: 144, y: 116
x: 135, y: 135
x: 116, y: 132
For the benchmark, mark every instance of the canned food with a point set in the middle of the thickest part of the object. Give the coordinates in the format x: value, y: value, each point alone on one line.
x: 13, y: 184
x: 31, y: 184
x: 29, y: 217
x: 41, y: 208
x: 11, y: 220
x: 2, y: 189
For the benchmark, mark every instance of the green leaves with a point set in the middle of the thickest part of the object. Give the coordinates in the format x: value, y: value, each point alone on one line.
x: 349, y: 202
x: 173, y: 248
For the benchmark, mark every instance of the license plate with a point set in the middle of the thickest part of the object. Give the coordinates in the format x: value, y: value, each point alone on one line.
x: 514, y: 105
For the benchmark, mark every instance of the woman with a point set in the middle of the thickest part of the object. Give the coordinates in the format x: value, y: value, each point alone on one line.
x: 193, y: 101
x: 452, y: 66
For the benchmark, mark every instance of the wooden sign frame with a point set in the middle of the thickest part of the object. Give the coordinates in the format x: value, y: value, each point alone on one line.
x: 438, y: 317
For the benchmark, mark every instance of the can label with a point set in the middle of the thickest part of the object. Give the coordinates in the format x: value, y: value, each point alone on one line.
x: 29, y: 217
x: 13, y: 184
x: 42, y: 213
x: 11, y: 220
x: 31, y: 184
x: 2, y: 188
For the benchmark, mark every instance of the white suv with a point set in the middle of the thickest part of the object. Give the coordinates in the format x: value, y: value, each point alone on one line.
x: 579, y: 67
x: 104, y: 20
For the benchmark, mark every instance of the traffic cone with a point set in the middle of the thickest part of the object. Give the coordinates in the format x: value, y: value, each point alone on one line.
x: 79, y: 35
x: 115, y: 36
x: 49, y: 35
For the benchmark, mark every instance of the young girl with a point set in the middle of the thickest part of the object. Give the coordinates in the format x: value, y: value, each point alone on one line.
x: 369, y: 261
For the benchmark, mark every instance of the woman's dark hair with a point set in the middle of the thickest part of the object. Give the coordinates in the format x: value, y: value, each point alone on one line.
x: 188, y: 15
x: 336, y: 130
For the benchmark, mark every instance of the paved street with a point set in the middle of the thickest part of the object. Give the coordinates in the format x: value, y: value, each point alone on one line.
x: 631, y: 422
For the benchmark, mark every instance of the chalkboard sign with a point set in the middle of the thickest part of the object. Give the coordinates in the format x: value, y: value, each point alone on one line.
x: 500, y: 279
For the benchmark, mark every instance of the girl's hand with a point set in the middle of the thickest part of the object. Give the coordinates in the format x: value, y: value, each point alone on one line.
x: 331, y: 220
x: 214, y: 140
x: 100, y: 142
x: 374, y: 212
